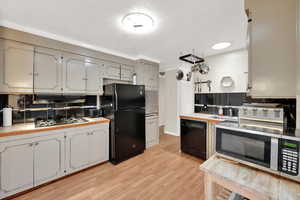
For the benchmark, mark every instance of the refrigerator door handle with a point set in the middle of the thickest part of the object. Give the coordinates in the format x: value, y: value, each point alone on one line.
x: 116, y: 99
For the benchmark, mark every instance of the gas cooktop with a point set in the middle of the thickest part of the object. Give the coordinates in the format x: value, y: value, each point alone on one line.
x: 52, y: 122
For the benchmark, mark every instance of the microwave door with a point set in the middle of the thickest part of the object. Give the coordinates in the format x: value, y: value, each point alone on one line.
x: 244, y: 146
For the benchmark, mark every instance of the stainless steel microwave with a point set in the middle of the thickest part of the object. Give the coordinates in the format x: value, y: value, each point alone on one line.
x: 268, y: 152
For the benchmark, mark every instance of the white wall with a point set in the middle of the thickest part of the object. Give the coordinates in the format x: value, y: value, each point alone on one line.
x: 177, y: 97
x: 186, y: 93
x: 233, y: 64
x: 161, y: 97
x: 171, y: 103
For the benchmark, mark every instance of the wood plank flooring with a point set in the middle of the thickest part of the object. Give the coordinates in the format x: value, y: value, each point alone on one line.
x: 161, y: 173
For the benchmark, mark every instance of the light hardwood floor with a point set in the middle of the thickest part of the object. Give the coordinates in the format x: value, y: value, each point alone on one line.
x: 160, y: 173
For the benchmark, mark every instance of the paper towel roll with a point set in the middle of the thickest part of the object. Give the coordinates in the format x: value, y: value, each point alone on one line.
x: 7, y: 116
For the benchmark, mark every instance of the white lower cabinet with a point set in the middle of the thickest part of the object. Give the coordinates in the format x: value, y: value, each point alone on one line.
x: 77, y: 150
x: 27, y: 163
x: 152, y: 131
x: 30, y: 160
x: 99, y: 146
x: 87, y: 147
x: 48, y: 159
x: 16, y: 167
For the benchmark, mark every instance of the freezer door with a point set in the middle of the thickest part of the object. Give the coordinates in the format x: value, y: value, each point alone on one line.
x: 129, y: 96
x: 129, y: 134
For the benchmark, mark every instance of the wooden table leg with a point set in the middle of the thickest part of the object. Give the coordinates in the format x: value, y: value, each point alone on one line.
x: 209, y: 188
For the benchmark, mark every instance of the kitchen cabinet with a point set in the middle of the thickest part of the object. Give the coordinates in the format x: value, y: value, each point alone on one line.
x: 127, y: 73
x: 152, y: 131
x: 82, y: 75
x: 47, y: 71
x: 16, y: 167
x: 148, y: 75
x: 26, y: 163
x: 29, y: 160
x: 94, y: 78
x: 272, y: 48
x: 86, y: 147
x: 98, y: 146
x: 78, y: 149
x: 16, y: 67
x: 112, y: 71
x: 48, y: 159
x: 75, y: 76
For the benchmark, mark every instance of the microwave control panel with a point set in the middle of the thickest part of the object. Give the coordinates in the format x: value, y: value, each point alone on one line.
x: 289, y: 157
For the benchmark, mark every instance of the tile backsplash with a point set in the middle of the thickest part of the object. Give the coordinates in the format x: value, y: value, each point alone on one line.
x: 27, y: 108
x: 221, y: 99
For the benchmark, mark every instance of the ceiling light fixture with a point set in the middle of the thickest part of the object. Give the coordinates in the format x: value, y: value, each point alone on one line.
x: 138, y: 22
x: 221, y: 45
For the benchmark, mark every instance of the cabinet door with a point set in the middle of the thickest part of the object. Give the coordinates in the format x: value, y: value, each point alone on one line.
x: 16, y: 167
x: 99, y: 141
x: 75, y: 77
x: 152, y: 131
x: 17, y: 67
x: 155, y: 78
x: 78, y: 150
x: 93, y: 82
x: 152, y: 77
x: 272, y: 51
x: 147, y: 74
x: 48, y: 159
x: 47, y: 71
x: 112, y: 71
x: 127, y: 73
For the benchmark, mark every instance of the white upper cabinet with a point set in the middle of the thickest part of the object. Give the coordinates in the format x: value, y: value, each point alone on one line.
x: 153, y: 78
x: 75, y: 75
x: 94, y: 78
x: 272, y: 48
x: 112, y: 70
x: 16, y: 161
x: 48, y: 159
x: 83, y: 75
x: 147, y: 74
x: 16, y: 66
x: 127, y: 73
x: 47, y: 71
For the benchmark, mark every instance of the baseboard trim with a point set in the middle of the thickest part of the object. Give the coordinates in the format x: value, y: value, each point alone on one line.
x: 171, y: 133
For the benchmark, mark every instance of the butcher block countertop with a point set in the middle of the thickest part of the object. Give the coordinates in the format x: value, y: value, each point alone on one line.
x: 26, y: 128
x: 246, y: 181
x: 206, y: 117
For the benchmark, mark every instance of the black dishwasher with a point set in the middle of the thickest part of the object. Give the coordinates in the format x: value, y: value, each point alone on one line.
x: 193, y: 138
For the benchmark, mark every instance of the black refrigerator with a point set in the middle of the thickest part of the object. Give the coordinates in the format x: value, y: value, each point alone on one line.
x: 124, y: 105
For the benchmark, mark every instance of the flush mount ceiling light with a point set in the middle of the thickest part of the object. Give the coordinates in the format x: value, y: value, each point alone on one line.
x: 221, y: 45
x: 138, y: 22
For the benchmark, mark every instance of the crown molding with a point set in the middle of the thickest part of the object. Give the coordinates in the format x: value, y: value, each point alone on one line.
x: 69, y: 40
